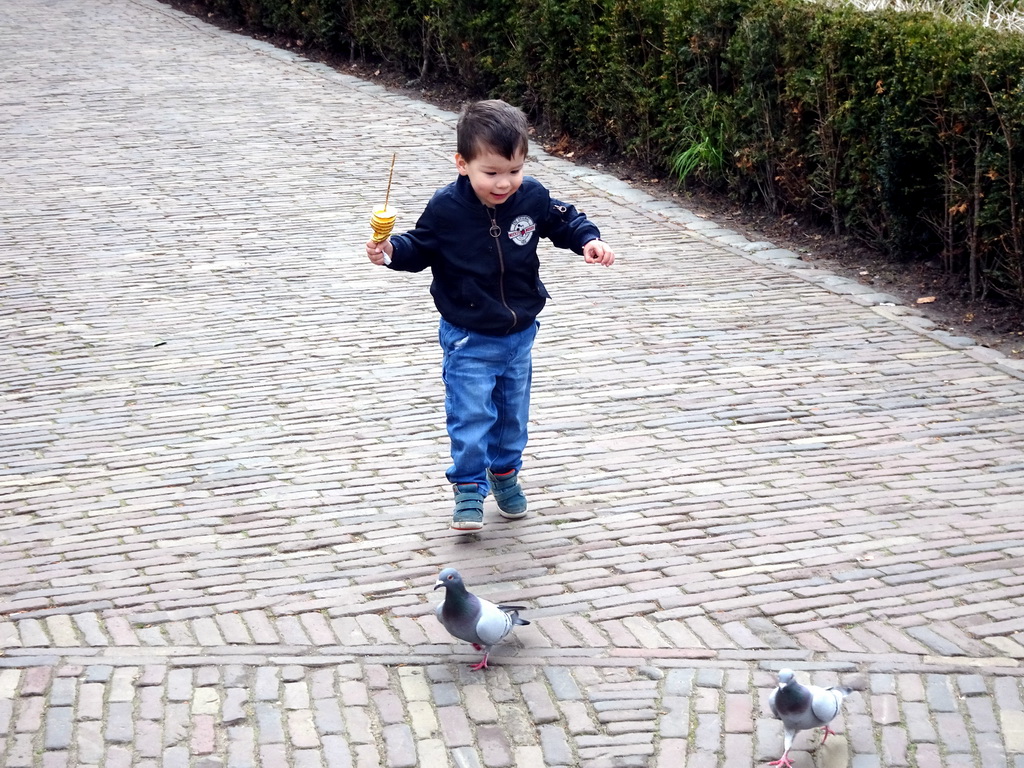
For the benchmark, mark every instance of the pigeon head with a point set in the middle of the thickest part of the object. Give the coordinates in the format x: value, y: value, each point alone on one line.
x: 450, y: 579
x: 786, y: 677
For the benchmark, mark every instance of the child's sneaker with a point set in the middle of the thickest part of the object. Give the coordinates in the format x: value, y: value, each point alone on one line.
x: 469, y: 507
x: 508, y: 493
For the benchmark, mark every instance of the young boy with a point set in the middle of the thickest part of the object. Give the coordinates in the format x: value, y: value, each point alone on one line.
x: 479, y: 237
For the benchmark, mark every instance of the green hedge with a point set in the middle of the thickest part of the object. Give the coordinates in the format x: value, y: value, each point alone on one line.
x: 904, y: 130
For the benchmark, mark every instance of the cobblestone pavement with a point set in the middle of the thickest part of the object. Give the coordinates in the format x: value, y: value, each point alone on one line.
x: 222, y: 455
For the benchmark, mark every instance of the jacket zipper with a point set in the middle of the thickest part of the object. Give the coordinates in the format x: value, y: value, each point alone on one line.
x: 495, y: 232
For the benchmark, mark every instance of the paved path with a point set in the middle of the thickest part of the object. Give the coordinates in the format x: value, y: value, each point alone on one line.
x: 222, y: 455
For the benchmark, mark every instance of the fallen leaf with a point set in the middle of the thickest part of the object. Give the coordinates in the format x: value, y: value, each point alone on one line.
x: 926, y: 300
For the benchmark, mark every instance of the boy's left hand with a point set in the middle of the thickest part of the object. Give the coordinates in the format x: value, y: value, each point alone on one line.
x: 598, y: 252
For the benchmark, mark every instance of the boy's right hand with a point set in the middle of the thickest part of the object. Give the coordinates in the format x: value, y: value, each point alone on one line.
x: 379, y: 253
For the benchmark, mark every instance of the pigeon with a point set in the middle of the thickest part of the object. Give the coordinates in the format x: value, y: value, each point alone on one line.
x: 802, y: 707
x: 472, y: 618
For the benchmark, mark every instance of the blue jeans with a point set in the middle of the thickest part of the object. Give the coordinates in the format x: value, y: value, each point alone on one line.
x: 486, y: 400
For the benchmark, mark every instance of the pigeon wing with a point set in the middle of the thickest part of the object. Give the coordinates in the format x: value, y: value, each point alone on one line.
x: 825, y: 703
x: 492, y: 624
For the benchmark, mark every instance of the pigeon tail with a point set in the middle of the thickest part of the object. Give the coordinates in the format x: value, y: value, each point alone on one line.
x: 513, y: 613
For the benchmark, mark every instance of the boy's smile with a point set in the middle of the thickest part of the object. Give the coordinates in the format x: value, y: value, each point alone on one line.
x: 494, y: 178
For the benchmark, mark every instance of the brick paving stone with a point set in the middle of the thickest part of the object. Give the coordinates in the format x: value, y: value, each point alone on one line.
x: 466, y: 757
x: 555, y: 746
x: 577, y: 717
x: 494, y: 747
x: 30, y: 715
x: 445, y: 694
x: 272, y: 755
x: 367, y: 757
x: 400, y: 746
x: 296, y: 695
x: 270, y: 723
x: 55, y: 760
x: 389, y: 706
x: 990, y: 750
x: 233, y: 709
x: 455, y: 726
x: 150, y: 701
x: 414, y: 684
x: 204, y: 737
x: 885, y: 709
x: 179, y: 685
x: 423, y: 719
x: 120, y: 728
x: 241, y: 746
x: 89, y: 743
x: 478, y: 704
x: 148, y: 738
x: 679, y: 682
x: 738, y: 713
x: 563, y: 686
x: 302, y: 732
x: 981, y: 713
x: 36, y: 681
x: 940, y: 694
x: 528, y: 756
x: 911, y: 687
x: 538, y: 700
x: 675, y: 720
x: 358, y: 724
x: 62, y: 693
x: 857, y: 729
x: 59, y: 728
x: 894, y: 746
x: 671, y: 752
x: 1012, y: 722
x: 176, y: 722
x: 432, y: 752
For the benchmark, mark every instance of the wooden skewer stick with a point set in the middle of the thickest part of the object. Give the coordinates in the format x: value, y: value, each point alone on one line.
x: 387, y: 194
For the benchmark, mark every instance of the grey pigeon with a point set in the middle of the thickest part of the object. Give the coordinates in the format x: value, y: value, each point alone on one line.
x: 801, y: 708
x: 472, y: 618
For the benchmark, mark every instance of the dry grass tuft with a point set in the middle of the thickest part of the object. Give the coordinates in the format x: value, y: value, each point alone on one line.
x: 1005, y: 15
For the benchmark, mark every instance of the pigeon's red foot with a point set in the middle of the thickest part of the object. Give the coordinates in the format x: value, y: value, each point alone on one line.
x: 827, y: 732
x: 783, y: 761
x: 481, y: 665
x: 477, y: 647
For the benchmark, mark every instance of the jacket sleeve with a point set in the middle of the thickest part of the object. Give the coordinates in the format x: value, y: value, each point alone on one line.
x: 568, y: 228
x: 418, y: 248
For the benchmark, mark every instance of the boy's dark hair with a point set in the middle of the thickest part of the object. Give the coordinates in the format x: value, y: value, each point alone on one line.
x: 492, y: 124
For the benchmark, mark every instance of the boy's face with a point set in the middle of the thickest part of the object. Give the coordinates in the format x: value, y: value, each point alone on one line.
x: 494, y: 178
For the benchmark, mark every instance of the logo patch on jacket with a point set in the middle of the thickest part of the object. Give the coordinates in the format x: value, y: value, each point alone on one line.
x: 522, y: 230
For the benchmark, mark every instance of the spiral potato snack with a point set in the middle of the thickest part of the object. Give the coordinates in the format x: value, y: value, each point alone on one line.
x: 383, y: 219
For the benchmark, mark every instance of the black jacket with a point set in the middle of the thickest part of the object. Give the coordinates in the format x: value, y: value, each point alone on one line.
x: 484, y: 260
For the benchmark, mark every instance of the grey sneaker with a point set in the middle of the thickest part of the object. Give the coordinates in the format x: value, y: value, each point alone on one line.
x: 508, y: 493
x: 469, y: 507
